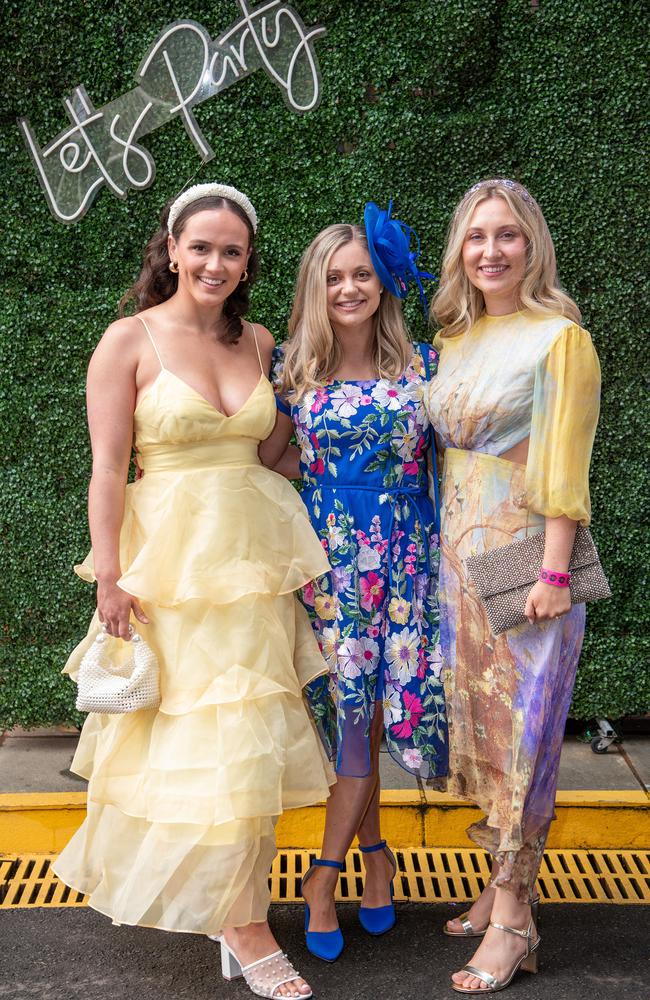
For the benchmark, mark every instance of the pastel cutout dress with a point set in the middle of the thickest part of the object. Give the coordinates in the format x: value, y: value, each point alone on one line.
x: 182, y: 801
x: 507, y: 379
x: 364, y: 447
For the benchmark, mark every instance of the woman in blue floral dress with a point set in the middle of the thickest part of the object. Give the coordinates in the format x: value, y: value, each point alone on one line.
x: 349, y: 384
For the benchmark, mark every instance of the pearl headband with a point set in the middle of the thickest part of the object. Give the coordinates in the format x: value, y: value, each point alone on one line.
x: 211, y: 191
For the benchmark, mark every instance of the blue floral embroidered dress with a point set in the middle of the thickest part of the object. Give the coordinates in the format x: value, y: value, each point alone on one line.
x: 364, y: 447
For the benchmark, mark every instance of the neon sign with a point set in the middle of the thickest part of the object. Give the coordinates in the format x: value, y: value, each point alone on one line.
x: 183, y: 67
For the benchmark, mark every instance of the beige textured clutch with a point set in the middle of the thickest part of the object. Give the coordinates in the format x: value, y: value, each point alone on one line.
x: 505, y: 576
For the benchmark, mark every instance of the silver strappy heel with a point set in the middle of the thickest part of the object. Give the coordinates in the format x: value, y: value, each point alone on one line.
x: 527, y: 963
x: 469, y: 931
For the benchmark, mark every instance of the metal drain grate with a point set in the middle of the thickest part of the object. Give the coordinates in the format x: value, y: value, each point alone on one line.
x: 30, y: 881
x: 424, y: 876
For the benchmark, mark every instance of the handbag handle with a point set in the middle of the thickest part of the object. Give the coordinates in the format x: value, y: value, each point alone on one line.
x: 104, y: 634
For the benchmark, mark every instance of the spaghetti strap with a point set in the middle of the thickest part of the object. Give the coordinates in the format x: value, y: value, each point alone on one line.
x: 153, y: 342
x: 257, y: 346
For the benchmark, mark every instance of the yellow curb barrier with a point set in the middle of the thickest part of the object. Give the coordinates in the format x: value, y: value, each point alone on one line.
x: 43, y: 822
x: 39, y: 822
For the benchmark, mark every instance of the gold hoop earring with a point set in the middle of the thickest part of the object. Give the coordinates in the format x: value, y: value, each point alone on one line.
x: 173, y: 267
x: 244, y: 276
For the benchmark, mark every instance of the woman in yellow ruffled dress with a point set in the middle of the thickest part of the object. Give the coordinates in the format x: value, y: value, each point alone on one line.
x: 206, y: 551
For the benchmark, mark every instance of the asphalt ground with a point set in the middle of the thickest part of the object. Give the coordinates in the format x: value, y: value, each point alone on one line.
x: 588, y: 952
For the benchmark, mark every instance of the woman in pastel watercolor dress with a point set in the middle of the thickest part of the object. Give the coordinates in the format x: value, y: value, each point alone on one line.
x: 350, y: 385
x: 207, y: 550
x: 515, y: 405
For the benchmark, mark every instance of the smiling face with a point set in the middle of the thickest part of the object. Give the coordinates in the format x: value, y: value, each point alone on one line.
x: 212, y: 252
x: 495, y: 255
x: 353, y: 288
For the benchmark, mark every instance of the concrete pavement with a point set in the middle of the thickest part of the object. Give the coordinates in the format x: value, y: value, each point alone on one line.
x: 39, y: 761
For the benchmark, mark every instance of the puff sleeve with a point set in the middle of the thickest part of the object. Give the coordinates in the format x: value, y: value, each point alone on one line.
x: 566, y: 403
x: 277, y: 365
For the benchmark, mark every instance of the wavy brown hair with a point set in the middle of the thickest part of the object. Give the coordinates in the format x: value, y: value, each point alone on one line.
x: 156, y: 283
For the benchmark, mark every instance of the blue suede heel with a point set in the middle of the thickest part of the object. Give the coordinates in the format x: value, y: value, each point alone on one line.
x: 377, y: 920
x: 327, y: 945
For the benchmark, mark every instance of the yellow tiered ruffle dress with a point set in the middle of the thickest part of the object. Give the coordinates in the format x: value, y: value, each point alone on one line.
x: 182, y: 801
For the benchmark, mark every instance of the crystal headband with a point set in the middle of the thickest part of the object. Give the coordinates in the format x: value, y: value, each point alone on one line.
x: 501, y: 182
x: 211, y: 191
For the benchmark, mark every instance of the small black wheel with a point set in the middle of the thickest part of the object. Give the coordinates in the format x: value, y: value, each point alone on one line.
x: 600, y: 744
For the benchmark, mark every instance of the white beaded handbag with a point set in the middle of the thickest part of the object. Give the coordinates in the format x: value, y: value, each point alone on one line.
x: 114, y: 680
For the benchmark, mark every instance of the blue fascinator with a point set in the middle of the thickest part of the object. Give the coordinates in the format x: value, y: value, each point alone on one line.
x: 389, y: 243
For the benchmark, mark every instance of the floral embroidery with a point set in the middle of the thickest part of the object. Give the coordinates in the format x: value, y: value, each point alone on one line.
x: 372, y: 591
x: 413, y: 710
x: 364, y: 452
x: 325, y: 607
x: 346, y: 400
x: 399, y: 610
x: 412, y: 758
x: 402, y: 655
x: 388, y: 394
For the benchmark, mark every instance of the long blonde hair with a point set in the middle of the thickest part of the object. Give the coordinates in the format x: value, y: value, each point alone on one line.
x: 312, y: 353
x: 457, y: 304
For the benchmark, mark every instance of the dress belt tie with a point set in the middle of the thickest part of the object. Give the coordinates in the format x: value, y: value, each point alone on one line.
x: 397, y: 495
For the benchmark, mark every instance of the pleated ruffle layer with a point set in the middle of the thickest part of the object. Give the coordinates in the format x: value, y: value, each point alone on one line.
x: 182, y: 801
x: 179, y: 542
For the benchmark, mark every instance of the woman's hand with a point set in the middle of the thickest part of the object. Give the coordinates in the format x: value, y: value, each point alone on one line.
x: 114, y: 607
x: 546, y: 602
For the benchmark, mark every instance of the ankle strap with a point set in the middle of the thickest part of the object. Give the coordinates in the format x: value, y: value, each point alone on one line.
x: 513, y: 930
x: 373, y: 847
x: 324, y: 863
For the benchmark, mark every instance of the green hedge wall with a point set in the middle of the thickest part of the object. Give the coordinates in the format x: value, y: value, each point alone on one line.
x: 419, y: 101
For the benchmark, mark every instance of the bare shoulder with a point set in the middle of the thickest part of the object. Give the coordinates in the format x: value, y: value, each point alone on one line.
x: 121, y: 344
x: 266, y: 343
x: 265, y: 338
x: 122, y: 334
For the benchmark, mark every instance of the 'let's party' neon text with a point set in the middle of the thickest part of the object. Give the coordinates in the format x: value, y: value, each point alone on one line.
x: 183, y: 67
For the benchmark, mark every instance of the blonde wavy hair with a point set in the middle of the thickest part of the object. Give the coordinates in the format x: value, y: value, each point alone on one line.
x: 312, y: 352
x: 457, y: 304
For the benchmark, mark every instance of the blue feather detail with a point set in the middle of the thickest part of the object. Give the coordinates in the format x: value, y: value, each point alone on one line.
x: 389, y: 242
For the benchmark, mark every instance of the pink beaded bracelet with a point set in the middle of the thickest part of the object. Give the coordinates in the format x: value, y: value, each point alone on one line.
x: 555, y: 579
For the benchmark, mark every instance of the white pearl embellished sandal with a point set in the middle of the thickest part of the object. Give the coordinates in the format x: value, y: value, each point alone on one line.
x: 263, y: 977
